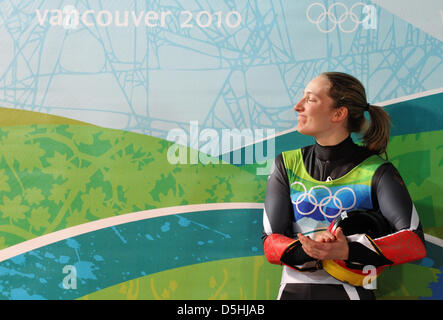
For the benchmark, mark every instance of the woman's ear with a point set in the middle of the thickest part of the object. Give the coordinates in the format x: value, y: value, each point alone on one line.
x: 340, y: 114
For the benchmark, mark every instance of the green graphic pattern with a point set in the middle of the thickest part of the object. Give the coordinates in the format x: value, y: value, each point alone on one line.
x: 55, y: 174
x: 235, y: 279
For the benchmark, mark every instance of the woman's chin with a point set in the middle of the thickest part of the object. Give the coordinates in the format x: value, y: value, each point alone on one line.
x: 301, y: 129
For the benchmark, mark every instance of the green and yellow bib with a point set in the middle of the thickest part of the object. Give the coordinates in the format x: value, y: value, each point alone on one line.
x: 317, y: 203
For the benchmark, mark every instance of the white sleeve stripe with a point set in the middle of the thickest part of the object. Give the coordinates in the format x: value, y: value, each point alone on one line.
x: 413, y: 224
x: 414, y: 219
x: 266, y: 224
x: 391, y: 234
x: 362, y: 239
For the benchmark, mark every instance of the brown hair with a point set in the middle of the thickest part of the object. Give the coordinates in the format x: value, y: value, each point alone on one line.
x: 348, y: 91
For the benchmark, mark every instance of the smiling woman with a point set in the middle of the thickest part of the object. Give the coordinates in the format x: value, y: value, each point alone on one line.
x: 333, y: 106
x: 313, y: 186
x: 316, y: 115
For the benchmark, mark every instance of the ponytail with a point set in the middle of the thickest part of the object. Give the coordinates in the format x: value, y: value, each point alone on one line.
x: 348, y: 91
x: 376, y: 136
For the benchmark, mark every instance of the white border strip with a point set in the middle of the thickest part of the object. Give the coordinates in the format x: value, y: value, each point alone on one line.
x: 67, y: 233
x: 410, y: 97
x: 434, y: 240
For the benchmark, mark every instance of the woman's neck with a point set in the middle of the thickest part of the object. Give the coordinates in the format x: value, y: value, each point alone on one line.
x: 341, y: 150
x: 332, y: 139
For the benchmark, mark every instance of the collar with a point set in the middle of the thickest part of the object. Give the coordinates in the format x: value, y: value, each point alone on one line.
x: 333, y: 153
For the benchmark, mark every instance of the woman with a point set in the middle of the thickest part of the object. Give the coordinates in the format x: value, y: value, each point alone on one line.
x: 310, y: 187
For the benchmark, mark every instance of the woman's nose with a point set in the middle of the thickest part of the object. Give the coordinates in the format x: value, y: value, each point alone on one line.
x: 298, y: 106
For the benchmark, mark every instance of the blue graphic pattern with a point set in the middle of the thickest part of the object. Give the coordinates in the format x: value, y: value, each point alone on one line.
x: 150, y: 80
x: 113, y: 255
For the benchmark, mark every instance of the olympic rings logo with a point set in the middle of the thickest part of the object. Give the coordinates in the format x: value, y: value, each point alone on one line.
x: 324, y: 201
x: 369, y: 21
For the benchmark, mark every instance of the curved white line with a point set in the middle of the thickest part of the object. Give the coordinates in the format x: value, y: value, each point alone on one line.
x: 67, y: 233
x: 434, y: 240
x: 409, y: 97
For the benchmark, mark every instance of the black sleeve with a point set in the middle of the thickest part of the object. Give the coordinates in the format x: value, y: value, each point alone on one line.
x: 406, y: 242
x: 394, y: 201
x: 278, y: 213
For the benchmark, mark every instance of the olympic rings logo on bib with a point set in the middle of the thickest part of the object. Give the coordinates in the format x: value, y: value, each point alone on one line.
x: 340, y: 20
x: 342, y: 196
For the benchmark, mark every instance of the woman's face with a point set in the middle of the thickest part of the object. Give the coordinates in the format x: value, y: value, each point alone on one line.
x: 315, y: 109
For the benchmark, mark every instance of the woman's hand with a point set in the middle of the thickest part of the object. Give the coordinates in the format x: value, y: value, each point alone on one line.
x: 327, y: 248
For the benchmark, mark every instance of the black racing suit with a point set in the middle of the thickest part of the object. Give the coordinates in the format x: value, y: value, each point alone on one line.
x: 389, y: 196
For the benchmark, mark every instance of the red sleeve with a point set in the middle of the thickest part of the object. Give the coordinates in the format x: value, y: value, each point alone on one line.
x: 275, y: 245
x: 402, y: 247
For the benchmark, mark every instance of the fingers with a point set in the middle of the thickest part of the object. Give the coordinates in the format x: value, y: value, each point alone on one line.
x: 337, y: 249
x: 339, y: 234
x: 328, y: 237
x: 324, y: 236
x: 310, y: 247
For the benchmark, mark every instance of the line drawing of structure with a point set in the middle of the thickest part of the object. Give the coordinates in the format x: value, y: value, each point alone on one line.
x: 150, y: 80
